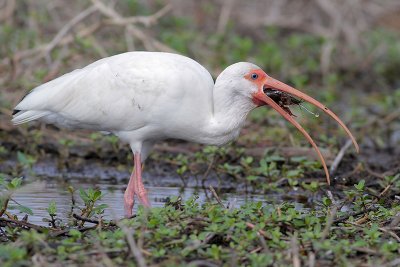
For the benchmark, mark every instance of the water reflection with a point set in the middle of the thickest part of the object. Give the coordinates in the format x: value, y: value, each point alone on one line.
x: 38, y: 195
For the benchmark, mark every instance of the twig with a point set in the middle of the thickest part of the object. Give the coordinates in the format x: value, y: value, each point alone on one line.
x: 8, y: 11
x: 22, y: 224
x: 130, y: 42
x: 261, y: 232
x: 224, y: 15
x: 209, y: 168
x: 339, y: 156
x: 367, y: 251
x: 391, y: 233
x: 295, y: 251
x: 311, y: 259
x: 132, y: 245
x: 105, y: 259
x: 258, y: 249
x: 66, y: 231
x: 373, y: 173
x: 148, y: 42
x: 345, y: 217
x: 54, y: 68
x: 395, y: 221
x: 329, y: 221
x: 78, y: 18
x: 216, y: 196
x: 263, y: 243
x: 66, y: 40
x: 5, y: 205
x: 381, y: 194
x: 145, y: 20
x: 330, y: 196
x: 85, y: 219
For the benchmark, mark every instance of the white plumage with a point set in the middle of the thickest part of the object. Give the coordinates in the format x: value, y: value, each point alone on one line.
x: 143, y: 97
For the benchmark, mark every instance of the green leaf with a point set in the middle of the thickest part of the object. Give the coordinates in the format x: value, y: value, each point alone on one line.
x: 360, y: 185
x: 90, y: 193
x: 22, y: 208
x: 25, y: 159
x: 2, y: 179
x: 181, y: 170
x: 294, y: 173
x: 52, y: 209
x: 100, y: 208
x: 252, y: 178
x: 326, y: 201
x: 84, y: 196
x: 96, y: 195
x: 14, y: 183
x: 21, y: 157
x: 75, y: 233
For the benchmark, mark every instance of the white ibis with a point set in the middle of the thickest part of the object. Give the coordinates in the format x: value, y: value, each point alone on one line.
x: 143, y: 97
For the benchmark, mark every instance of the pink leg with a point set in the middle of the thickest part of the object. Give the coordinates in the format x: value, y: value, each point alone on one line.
x: 129, y: 196
x: 139, y: 187
x: 135, y: 186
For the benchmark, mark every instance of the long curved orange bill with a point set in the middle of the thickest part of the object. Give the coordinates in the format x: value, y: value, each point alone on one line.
x: 277, y: 85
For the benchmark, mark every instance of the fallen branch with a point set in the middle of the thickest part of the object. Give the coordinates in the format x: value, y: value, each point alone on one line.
x: 22, y: 224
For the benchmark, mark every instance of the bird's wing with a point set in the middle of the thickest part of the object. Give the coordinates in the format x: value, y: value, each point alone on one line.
x: 106, y: 95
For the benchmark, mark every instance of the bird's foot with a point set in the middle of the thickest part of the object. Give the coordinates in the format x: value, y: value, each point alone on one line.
x: 142, y: 195
x: 128, y: 203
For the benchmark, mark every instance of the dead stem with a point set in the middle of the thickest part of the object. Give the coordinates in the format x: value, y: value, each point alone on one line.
x: 295, y: 251
x: 216, y: 196
x: 136, y: 252
x: 352, y: 214
x: 339, y: 157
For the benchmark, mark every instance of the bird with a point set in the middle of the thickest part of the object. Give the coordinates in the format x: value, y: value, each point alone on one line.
x: 144, y: 97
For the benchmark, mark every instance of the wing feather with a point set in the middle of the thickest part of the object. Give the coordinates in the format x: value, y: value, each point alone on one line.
x: 118, y: 93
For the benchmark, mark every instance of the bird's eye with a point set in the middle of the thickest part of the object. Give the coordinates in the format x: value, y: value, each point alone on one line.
x: 254, y: 76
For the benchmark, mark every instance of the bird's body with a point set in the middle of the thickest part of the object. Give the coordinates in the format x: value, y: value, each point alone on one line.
x: 115, y: 95
x: 143, y: 97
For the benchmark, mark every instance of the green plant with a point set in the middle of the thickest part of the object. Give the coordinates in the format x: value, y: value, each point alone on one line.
x: 8, y: 189
x: 52, y: 211
x: 26, y: 160
x: 90, y: 198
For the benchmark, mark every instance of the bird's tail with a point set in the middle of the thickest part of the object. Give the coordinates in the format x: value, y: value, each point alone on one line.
x: 22, y: 116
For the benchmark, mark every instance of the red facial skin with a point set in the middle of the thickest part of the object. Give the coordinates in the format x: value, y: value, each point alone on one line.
x: 259, y: 82
x: 261, y: 99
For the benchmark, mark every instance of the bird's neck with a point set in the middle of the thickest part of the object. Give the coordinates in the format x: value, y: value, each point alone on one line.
x: 229, y: 114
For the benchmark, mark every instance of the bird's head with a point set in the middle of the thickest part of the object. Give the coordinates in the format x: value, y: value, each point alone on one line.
x: 253, y: 83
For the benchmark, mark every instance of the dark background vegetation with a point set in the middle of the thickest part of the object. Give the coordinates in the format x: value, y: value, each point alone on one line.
x: 346, y: 54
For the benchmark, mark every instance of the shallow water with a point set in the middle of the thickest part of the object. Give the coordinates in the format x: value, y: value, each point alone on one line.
x: 45, y: 183
x: 37, y: 196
